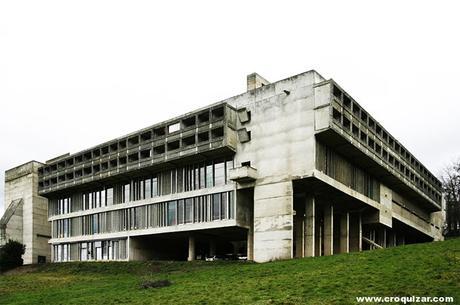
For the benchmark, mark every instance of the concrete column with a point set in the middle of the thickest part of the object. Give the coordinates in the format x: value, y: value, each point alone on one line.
x: 310, y: 219
x: 212, y: 248
x: 318, y: 233
x: 356, y: 232
x: 328, y: 235
x: 299, y: 234
x: 250, y: 244
x: 345, y: 233
x: 273, y: 221
x: 128, y: 249
x: 191, y: 248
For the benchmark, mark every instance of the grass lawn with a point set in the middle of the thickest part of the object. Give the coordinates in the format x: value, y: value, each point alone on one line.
x: 431, y: 269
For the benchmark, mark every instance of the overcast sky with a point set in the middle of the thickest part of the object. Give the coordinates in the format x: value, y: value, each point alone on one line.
x: 76, y: 73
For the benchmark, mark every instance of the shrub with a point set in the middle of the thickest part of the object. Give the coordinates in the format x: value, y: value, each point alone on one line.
x: 11, y: 255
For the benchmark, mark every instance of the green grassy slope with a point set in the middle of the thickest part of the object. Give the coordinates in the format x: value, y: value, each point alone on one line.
x: 431, y: 269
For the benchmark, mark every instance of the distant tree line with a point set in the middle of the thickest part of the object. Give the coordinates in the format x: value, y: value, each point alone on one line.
x: 451, y: 187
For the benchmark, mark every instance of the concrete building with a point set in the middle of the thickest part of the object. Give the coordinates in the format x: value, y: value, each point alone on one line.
x: 26, y: 215
x: 287, y: 169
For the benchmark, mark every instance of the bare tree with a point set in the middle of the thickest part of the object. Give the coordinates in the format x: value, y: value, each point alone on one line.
x: 451, y: 187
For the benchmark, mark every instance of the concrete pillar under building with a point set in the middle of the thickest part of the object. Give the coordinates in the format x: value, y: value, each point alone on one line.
x: 345, y: 233
x: 318, y: 231
x: 309, y: 230
x: 299, y: 220
x: 250, y: 244
x: 191, y: 248
x: 328, y: 237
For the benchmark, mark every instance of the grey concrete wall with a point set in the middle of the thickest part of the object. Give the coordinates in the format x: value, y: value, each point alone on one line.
x: 22, y: 182
x: 282, y: 146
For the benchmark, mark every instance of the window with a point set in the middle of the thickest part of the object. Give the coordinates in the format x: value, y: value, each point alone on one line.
x: 197, y: 209
x: 165, y: 183
x: 173, y: 127
x: 83, y: 252
x: 155, y: 187
x: 109, y: 194
x: 97, y: 201
x: 172, y: 217
x: 126, y: 192
x: 202, y: 176
x: 219, y: 173
x: 209, y: 176
x: 98, y: 246
x: 180, y: 180
x: 188, y: 210
x: 196, y: 173
x: 147, y: 188
x: 223, y: 206
x: 216, y: 206
x: 180, y: 211
x: 90, y: 201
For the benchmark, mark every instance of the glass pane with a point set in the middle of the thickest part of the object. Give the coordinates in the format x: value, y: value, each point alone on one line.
x: 197, y: 177
x: 103, y: 201
x: 172, y: 220
x: 215, y: 206
x: 223, y: 206
x: 219, y: 172
x: 188, y: 210
x: 202, y: 176
x: 109, y: 196
x: 141, y: 190
x: 173, y: 127
x: 165, y: 183
x: 155, y: 186
x: 126, y: 193
x: 148, y: 188
x: 180, y: 180
x: 209, y: 176
x: 180, y: 211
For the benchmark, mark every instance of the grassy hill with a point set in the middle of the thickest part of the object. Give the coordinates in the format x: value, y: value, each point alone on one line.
x: 431, y: 269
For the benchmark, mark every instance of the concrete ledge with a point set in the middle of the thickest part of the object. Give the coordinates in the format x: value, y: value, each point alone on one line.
x: 243, y: 174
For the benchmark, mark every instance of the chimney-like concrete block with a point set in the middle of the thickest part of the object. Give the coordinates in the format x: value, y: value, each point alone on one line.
x: 255, y: 81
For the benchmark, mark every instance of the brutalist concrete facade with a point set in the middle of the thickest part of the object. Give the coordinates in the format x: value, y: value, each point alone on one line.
x: 287, y: 169
x: 26, y: 214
